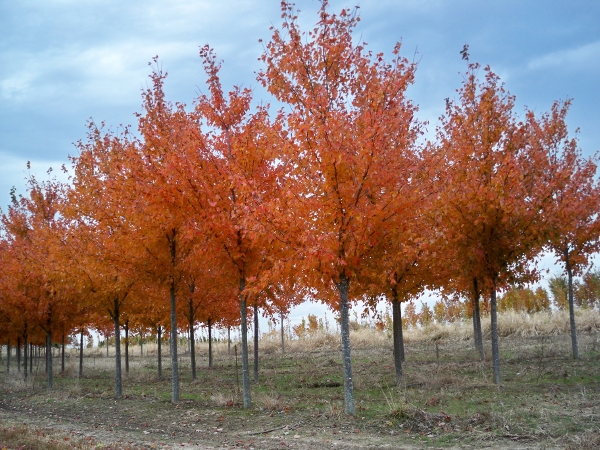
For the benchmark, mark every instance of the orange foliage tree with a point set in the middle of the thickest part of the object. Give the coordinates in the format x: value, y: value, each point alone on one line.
x: 573, y: 217
x: 496, y: 188
x: 352, y: 129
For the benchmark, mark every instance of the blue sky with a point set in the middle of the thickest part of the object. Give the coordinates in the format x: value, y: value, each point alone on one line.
x: 64, y: 61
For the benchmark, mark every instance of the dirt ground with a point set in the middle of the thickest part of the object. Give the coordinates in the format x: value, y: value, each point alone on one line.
x: 547, y: 401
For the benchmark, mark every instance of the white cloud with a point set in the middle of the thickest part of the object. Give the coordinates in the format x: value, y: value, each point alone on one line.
x: 573, y: 59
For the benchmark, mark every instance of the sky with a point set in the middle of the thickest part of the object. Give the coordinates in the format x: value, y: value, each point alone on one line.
x: 64, y: 62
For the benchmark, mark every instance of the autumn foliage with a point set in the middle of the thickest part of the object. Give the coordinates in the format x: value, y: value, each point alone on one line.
x: 209, y: 214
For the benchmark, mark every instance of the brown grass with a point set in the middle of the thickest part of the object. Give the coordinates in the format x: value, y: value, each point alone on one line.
x: 24, y: 437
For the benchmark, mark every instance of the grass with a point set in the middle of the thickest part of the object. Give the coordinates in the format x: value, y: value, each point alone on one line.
x: 447, y: 398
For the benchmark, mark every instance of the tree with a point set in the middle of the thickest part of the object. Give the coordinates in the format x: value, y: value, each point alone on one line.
x: 497, y: 186
x: 237, y: 194
x: 352, y: 128
x: 573, y: 216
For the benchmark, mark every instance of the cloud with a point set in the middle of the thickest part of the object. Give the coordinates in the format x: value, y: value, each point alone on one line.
x: 575, y: 59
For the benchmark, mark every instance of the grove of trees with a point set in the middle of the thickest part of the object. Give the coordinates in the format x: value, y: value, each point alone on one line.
x: 218, y: 212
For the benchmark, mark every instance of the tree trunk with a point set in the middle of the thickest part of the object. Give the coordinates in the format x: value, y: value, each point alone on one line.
x: 191, y: 332
x: 255, y: 343
x: 159, y: 334
x: 25, y: 356
x: 229, y: 340
x: 343, y: 288
x: 49, y: 358
x: 572, y: 310
x: 210, y: 349
x: 81, y: 353
x: 107, y: 345
x: 477, y: 335
x: 19, y: 354
x: 127, y: 346
x: 118, y: 375
x: 62, y: 361
x: 244, y: 326
x: 398, y: 338
x: 8, y: 356
x: 193, y: 350
x: 282, y: 335
x: 31, y: 357
x: 174, y: 362
x: 495, y: 350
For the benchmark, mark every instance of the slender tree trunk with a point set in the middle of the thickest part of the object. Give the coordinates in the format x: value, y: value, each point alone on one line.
x: 572, y: 310
x: 25, y: 356
x: 210, y: 353
x: 495, y: 350
x: 244, y: 326
x: 398, y: 338
x: 255, y: 343
x: 127, y: 346
x: 81, y: 353
x: 193, y: 351
x: 282, y: 333
x: 49, y: 358
x: 118, y: 374
x: 229, y: 340
x: 174, y: 362
x: 191, y: 332
x: 477, y: 335
x: 19, y: 354
x: 8, y: 356
x: 107, y: 345
x: 62, y: 361
x: 159, y: 334
x: 31, y: 357
x: 343, y: 288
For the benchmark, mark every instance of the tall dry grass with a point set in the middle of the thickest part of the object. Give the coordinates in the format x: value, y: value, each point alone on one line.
x: 510, y: 324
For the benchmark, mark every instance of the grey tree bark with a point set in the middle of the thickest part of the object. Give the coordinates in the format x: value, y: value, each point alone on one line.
x: 343, y: 288
x: 159, y: 337
x: 244, y: 327
x: 18, y: 354
x: 210, y: 352
x: 255, y: 343
x: 25, y: 355
x: 477, y: 334
x: 495, y: 349
x: 127, y: 346
x: 282, y: 334
x: 117, y: 325
x: 174, y: 362
x: 49, y: 358
x: 8, y: 356
x: 62, y: 354
x: 81, y: 353
x: 398, y: 338
x: 574, y: 345
x: 192, y: 350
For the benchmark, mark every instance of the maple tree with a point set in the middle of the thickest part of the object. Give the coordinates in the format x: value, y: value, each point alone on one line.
x: 235, y: 193
x: 497, y: 189
x: 573, y: 214
x: 352, y: 129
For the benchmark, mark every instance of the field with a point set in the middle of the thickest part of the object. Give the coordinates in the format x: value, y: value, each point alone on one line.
x: 547, y: 399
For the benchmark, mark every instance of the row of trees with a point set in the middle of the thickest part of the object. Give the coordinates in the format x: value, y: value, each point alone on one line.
x: 209, y: 213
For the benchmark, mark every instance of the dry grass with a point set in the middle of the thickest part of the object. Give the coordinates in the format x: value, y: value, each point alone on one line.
x: 23, y: 437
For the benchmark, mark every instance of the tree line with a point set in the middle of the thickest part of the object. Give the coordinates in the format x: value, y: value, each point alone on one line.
x: 230, y: 208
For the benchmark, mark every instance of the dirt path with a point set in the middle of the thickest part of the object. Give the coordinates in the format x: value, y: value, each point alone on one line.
x: 132, y: 424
